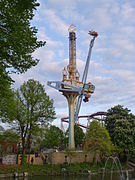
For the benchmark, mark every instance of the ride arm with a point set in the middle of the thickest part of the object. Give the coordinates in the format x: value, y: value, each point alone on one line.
x: 84, y: 78
x: 58, y: 85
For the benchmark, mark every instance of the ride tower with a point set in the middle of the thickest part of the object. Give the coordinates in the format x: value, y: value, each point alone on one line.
x: 70, y: 86
x: 71, y: 76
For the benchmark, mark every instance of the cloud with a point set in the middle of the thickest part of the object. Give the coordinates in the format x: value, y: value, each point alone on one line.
x: 56, y: 23
x: 127, y: 12
x: 63, y: 4
x: 50, y: 43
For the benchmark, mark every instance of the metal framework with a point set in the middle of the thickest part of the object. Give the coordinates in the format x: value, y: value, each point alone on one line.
x: 84, y: 78
x: 100, y: 116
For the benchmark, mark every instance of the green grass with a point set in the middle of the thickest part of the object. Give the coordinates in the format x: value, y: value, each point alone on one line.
x: 49, y: 169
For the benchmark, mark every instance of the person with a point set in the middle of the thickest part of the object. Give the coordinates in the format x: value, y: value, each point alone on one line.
x: 32, y: 160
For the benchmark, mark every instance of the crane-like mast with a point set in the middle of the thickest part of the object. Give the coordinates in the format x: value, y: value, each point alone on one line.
x: 84, y: 78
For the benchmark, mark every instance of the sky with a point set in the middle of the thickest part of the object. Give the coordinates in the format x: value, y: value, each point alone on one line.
x: 112, y: 66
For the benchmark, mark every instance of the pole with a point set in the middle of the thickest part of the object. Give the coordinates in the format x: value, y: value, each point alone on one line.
x: 71, y: 105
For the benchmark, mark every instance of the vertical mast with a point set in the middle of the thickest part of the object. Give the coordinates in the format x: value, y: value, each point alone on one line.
x: 72, y: 52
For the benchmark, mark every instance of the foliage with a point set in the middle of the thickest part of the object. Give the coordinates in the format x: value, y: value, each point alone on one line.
x: 53, y: 138
x: 9, y: 136
x: 121, y: 126
x: 6, y: 101
x: 6, y: 95
x: 33, y: 109
x: 17, y: 38
x: 17, y: 43
x: 51, y: 169
x: 98, y: 140
x: 78, y: 134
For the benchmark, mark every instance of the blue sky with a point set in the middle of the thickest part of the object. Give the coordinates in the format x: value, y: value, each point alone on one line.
x: 112, y: 68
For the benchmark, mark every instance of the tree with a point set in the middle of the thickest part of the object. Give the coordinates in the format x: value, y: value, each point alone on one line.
x: 98, y: 140
x: 78, y: 134
x: 6, y: 95
x: 17, y: 42
x: 121, y: 126
x: 53, y: 138
x: 6, y: 102
x: 17, y: 38
x: 33, y: 110
x: 9, y: 136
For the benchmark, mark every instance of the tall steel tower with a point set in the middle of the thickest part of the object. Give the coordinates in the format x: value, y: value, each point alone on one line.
x: 72, y: 53
x: 70, y: 86
x: 72, y: 79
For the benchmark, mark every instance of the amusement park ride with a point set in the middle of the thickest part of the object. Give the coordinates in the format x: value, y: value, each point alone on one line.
x: 99, y: 116
x: 71, y: 87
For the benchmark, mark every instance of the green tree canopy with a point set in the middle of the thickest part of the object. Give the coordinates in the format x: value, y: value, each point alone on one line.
x: 78, y: 134
x: 33, y: 109
x: 9, y: 136
x: 98, y: 140
x: 17, y: 38
x: 18, y: 41
x: 121, y: 126
x: 6, y: 102
x: 53, y: 138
